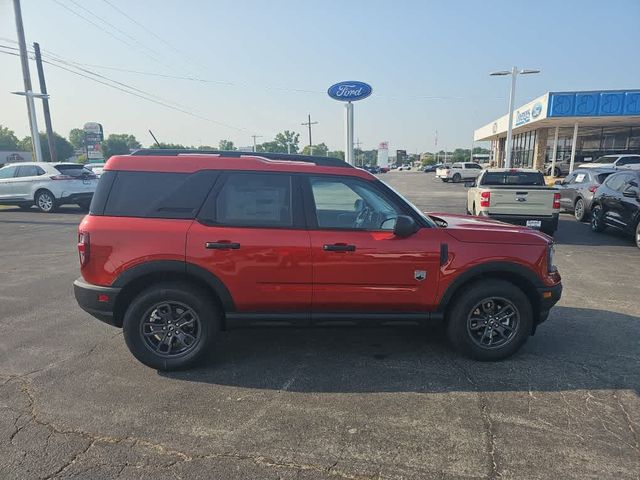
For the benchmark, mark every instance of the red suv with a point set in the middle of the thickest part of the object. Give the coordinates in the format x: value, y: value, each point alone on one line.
x: 180, y: 245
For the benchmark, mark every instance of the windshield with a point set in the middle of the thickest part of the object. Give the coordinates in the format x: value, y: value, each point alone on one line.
x: 605, y: 159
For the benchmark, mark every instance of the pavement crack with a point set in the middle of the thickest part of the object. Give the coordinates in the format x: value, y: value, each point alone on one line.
x: 71, y: 462
x: 630, y: 423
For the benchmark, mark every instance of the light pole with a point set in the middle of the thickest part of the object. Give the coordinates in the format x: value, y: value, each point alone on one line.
x: 35, y: 135
x: 514, y: 74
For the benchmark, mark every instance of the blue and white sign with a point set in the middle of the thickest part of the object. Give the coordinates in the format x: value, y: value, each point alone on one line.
x: 594, y: 104
x: 350, y: 91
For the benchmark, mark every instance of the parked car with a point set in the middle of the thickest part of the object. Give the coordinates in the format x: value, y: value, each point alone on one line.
x: 616, y: 204
x: 47, y: 185
x: 561, y: 168
x: 96, y: 168
x: 517, y: 196
x: 404, y: 167
x: 459, y: 171
x: 614, y: 161
x: 576, y: 190
x: 185, y: 247
x: 384, y: 169
x: 432, y: 168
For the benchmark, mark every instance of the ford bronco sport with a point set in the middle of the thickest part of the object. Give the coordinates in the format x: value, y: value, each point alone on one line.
x: 180, y: 245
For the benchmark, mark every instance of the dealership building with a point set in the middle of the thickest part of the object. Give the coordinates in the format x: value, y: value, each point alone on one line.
x: 576, y: 126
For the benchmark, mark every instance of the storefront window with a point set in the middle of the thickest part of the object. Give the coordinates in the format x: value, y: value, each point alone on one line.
x: 615, y: 138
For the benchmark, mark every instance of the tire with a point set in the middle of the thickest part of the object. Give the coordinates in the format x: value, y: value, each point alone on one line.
x: 558, y: 172
x: 456, y: 178
x: 445, y: 180
x: 46, y: 202
x: 637, y: 237
x: 465, y: 327
x: 579, y: 210
x: 202, y: 322
x: 597, y: 222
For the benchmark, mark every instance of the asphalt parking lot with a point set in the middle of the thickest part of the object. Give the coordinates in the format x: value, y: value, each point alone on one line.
x: 325, y: 403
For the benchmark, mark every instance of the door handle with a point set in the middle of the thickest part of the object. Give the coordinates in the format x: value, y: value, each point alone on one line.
x: 339, y: 247
x: 222, y: 245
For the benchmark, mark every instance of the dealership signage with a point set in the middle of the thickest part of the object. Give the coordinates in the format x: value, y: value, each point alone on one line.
x: 529, y: 114
x: 595, y: 104
x: 350, y: 91
x: 93, y: 137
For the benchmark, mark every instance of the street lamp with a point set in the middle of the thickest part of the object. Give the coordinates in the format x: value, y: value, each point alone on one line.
x: 514, y: 73
x: 35, y: 136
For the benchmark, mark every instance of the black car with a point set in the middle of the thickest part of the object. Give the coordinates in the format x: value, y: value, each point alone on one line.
x: 577, y: 190
x: 616, y: 204
x: 431, y: 168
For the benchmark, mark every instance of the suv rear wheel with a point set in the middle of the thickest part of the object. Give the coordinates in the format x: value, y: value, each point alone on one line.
x: 45, y: 201
x: 457, y: 178
x: 171, y: 325
x: 579, y: 210
x: 491, y: 321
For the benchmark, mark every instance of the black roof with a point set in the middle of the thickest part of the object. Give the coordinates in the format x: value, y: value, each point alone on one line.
x: 315, y: 159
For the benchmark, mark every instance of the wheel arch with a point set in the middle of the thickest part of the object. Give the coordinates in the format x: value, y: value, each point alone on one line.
x: 42, y: 189
x: 524, y: 278
x: 134, y: 280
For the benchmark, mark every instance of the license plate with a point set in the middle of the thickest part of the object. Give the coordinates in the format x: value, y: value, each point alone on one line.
x: 534, y: 223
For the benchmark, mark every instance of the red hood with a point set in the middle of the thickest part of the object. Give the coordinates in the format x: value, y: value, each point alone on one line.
x: 466, y: 228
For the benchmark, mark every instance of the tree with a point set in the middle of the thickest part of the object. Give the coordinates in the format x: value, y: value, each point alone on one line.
x: 321, y: 149
x: 8, y: 139
x: 271, y: 147
x: 174, y: 146
x: 287, y: 138
x: 226, y: 145
x: 337, y: 154
x: 64, y: 150
x: 76, y: 137
x: 119, y: 144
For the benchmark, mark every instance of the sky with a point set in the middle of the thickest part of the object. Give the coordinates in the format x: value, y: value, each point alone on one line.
x: 260, y: 67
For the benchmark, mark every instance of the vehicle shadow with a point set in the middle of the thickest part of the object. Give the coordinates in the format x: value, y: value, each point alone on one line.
x: 572, y: 232
x: 576, y: 349
x: 63, y: 209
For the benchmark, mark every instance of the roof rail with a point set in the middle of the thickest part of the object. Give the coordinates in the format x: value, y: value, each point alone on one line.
x: 287, y: 157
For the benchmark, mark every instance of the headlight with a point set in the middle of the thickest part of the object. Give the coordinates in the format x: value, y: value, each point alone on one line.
x: 551, y: 254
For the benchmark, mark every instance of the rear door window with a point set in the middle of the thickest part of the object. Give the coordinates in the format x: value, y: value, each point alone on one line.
x: 29, y: 171
x: 255, y: 200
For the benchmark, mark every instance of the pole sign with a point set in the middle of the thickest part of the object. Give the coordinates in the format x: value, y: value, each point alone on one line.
x: 350, y: 91
x: 93, y: 137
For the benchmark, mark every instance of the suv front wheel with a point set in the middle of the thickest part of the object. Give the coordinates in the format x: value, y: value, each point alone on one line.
x: 171, y: 325
x: 490, y: 320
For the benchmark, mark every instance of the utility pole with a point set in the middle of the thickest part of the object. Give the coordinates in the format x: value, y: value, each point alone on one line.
x: 358, y: 143
x: 254, y: 141
x: 45, y: 104
x: 308, y: 123
x: 26, y: 77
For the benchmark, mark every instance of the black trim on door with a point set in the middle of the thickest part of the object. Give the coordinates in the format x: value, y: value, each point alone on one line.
x: 330, y: 319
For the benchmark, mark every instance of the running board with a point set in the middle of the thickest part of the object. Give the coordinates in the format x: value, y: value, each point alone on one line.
x: 330, y: 319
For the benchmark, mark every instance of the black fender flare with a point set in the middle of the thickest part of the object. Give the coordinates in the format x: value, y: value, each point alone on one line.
x: 490, y: 268
x: 182, y: 268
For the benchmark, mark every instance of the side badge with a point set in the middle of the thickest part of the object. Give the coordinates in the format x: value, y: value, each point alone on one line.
x: 419, y: 275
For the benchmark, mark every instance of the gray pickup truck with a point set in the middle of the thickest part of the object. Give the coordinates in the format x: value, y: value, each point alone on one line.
x: 517, y: 196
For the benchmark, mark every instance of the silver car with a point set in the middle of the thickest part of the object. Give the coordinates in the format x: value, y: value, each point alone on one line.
x: 614, y: 161
x: 576, y: 191
x: 47, y: 185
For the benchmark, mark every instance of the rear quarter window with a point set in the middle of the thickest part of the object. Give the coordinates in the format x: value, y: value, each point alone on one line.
x: 152, y: 194
x: 73, y: 170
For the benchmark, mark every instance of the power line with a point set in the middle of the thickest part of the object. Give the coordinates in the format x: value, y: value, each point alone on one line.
x: 144, y: 96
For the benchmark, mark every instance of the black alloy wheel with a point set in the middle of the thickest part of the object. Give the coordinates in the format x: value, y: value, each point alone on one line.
x: 493, y: 322
x: 170, y: 329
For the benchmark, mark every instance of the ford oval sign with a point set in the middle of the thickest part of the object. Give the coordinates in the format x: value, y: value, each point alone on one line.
x: 349, y: 91
x: 536, y: 110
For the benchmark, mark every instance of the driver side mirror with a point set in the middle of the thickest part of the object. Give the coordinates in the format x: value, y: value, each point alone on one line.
x: 405, y: 226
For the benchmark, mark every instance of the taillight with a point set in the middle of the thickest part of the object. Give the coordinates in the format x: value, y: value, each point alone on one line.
x: 485, y: 199
x: 556, y: 201
x: 83, y: 248
x: 61, y: 177
x: 593, y: 188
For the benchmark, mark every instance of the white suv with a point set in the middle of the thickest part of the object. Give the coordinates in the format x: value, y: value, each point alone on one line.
x: 614, y: 161
x: 459, y: 171
x: 47, y: 185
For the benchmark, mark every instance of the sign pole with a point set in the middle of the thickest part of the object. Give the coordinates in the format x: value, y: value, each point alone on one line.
x: 349, y: 132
